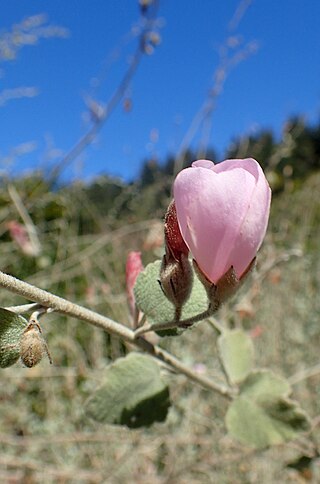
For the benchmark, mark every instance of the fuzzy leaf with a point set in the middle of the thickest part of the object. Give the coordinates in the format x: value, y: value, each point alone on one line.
x: 154, y: 304
x: 263, y: 415
x: 237, y: 353
x: 133, y: 393
x: 12, y: 326
x: 265, y: 382
x: 265, y: 422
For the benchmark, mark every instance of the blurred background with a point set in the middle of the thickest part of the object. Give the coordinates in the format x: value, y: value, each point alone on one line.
x: 102, y: 103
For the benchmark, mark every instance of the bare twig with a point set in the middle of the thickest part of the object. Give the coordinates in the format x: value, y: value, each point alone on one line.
x: 24, y: 308
x: 99, y: 121
x: 238, y: 14
x: 215, y: 324
x: 304, y: 374
x: 70, y: 267
x: 275, y: 261
x: 227, y: 62
x: 43, y: 475
x: 63, y: 306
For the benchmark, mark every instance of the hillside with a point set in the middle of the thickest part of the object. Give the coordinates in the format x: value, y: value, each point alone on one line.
x: 81, y: 256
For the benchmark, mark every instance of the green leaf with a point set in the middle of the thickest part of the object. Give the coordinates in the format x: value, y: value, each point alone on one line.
x: 264, y: 382
x: 12, y: 326
x: 237, y: 353
x: 265, y: 422
x: 154, y: 304
x: 263, y: 415
x: 133, y: 393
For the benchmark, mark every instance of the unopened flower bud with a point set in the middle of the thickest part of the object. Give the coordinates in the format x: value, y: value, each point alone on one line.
x: 133, y: 268
x: 176, y: 278
x: 223, y: 212
x: 176, y: 275
x: 173, y: 238
x: 33, y: 346
x: 19, y: 234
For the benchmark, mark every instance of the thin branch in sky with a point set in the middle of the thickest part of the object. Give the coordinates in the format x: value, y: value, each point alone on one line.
x: 22, y: 149
x: 239, y: 14
x: 7, y: 95
x: 231, y: 53
x: 28, y: 32
x: 112, y: 57
x: 105, y: 110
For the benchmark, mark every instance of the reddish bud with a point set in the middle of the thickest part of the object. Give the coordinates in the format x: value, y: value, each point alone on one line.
x: 19, y: 234
x: 133, y: 268
x: 173, y: 238
x: 256, y: 332
x: 176, y: 275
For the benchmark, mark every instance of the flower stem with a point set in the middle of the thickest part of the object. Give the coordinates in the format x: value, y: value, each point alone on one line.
x: 64, y: 306
x: 184, y: 323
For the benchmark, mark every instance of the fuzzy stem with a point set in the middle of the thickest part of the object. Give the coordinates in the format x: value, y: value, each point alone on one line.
x: 216, y: 325
x: 63, y: 306
x: 24, y: 308
x: 184, y: 323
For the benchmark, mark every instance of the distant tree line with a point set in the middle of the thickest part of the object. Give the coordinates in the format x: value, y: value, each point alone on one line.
x: 287, y: 161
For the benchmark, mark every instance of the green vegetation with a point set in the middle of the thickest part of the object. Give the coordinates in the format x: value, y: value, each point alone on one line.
x: 84, y: 233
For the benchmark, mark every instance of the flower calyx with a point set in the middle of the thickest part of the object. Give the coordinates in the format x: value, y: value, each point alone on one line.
x: 226, y: 287
x: 176, y: 275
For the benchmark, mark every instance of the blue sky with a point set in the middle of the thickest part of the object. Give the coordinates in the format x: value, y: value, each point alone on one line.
x: 281, y: 78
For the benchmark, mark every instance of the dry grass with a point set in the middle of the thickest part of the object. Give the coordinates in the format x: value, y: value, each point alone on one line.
x: 45, y: 436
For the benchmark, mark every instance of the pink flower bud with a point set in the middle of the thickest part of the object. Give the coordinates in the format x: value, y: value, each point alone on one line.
x: 20, y: 235
x: 133, y: 268
x: 223, y: 213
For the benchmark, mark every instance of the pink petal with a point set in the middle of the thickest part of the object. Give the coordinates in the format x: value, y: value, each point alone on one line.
x: 204, y: 164
x: 223, y: 213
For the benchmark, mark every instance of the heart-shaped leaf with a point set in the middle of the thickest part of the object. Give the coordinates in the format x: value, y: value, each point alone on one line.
x: 12, y: 326
x: 237, y: 353
x: 133, y: 393
x: 265, y: 382
x: 263, y: 415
